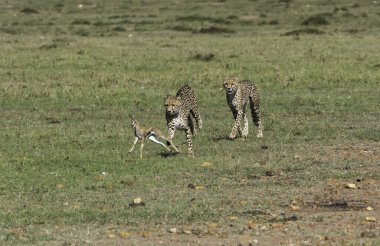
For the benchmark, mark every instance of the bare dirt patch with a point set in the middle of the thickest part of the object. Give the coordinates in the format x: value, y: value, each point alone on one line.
x: 369, y: 151
x: 331, y: 214
x: 365, y: 152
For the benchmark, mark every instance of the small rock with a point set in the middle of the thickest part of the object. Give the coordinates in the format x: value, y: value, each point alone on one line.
x: 173, y: 230
x: 264, y: 228
x: 370, y: 218
x: 350, y: 186
x: 137, y: 200
x: 295, y: 208
x: 369, y: 209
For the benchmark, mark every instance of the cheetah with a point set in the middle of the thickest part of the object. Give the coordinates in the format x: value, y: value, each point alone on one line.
x: 239, y: 93
x: 179, y: 108
x: 143, y: 133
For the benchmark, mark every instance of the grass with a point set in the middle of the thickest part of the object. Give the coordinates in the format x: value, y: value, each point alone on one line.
x: 71, y: 76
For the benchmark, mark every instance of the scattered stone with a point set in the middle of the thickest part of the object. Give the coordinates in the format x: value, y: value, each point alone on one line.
x: 173, y: 230
x: 350, y: 186
x: 369, y: 209
x: 264, y: 228
x: 137, y: 202
x: 295, y: 208
x: 370, y: 219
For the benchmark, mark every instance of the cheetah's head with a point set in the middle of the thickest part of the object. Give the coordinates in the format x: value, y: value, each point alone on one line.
x: 230, y: 84
x: 172, y: 105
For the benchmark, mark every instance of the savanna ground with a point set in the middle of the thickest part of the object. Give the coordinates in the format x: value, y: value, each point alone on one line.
x: 72, y: 72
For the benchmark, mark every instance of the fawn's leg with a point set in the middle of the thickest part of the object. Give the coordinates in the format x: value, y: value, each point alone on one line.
x: 154, y: 139
x: 134, y: 143
x: 142, y: 148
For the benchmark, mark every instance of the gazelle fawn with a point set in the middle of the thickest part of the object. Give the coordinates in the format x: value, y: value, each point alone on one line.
x: 151, y: 133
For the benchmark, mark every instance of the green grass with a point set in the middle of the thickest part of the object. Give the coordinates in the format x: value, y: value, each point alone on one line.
x: 71, y: 77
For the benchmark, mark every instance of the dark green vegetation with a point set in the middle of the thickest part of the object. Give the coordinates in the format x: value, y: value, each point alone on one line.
x: 71, y: 75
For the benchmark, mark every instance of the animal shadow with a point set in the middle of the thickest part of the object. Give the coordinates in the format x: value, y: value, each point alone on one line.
x: 168, y: 154
x: 220, y: 138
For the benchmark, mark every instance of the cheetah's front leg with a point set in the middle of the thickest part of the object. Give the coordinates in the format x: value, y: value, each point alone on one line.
x: 240, y: 130
x: 171, y: 131
x: 244, y: 132
x: 236, y: 126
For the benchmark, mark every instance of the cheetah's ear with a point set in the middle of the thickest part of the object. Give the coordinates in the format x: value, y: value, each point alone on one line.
x: 178, y: 99
x: 236, y: 79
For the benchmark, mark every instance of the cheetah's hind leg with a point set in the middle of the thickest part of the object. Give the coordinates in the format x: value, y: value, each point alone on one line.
x: 195, y: 113
x: 191, y: 126
x: 244, y: 132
